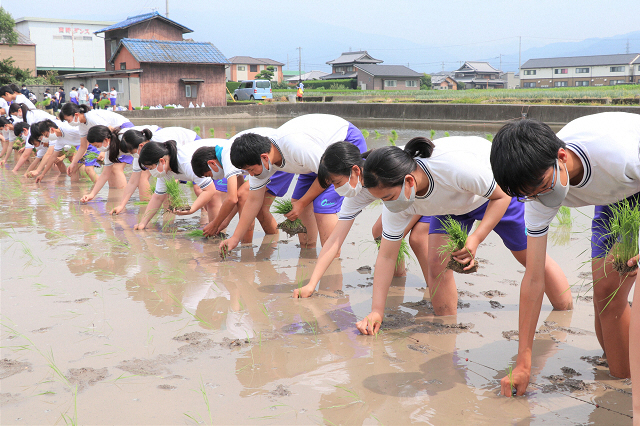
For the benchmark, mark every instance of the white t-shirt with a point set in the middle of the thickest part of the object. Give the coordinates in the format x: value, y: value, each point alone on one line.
x: 73, y: 94
x: 37, y: 116
x: 135, y: 164
x: 22, y: 99
x: 179, y: 134
x: 608, y: 145
x: 102, y: 117
x: 353, y: 206
x: 70, y: 135
x: 5, y: 106
x: 185, y: 172
x: 227, y: 170
x: 460, y: 181
x: 113, y: 94
x: 302, y: 141
x: 83, y: 94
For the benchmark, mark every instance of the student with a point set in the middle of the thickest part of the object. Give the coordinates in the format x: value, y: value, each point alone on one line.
x: 113, y: 95
x: 21, y: 112
x: 165, y: 160
x: 341, y: 165
x: 11, y: 94
x: 96, y: 95
x: 4, y: 105
x: 6, y: 127
x: 73, y: 96
x: 214, y: 160
x: 593, y: 160
x: 451, y: 177
x: 24, y: 90
x: 63, y: 96
x: 296, y: 148
x: 80, y: 116
x: 22, y: 99
x: 83, y: 95
x: 33, y: 141
x: 39, y: 132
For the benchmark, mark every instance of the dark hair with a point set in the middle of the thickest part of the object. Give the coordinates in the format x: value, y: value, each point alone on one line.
x: 69, y: 109
x: 5, y: 89
x: 42, y: 126
x: 389, y: 165
x: 18, y: 128
x: 100, y: 133
x: 4, y: 121
x: 22, y: 107
x: 200, y: 158
x: 14, y: 87
x: 521, y: 152
x: 131, y: 139
x: 152, y: 152
x: 338, y: 159
x: 246, y: 150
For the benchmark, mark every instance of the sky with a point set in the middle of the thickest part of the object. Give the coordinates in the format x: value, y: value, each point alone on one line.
x: 427, y: 35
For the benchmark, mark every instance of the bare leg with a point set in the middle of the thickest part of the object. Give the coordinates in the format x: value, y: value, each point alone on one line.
x: 442, y: 285
x: 326, y: 222
x: 634, y: 355
x: 91, y: 172
x: 266, y: 219
x: 308, y: 219
x: 419, y: 242
x: 144, y: 189
x: 117, y: 180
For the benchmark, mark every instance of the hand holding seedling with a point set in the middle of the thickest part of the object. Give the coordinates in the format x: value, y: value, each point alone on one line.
x: 295, y: 212
x: 117, y: 210
x: 86, y: 198
x: 183, y: 212
x: 227, y: 245
x: 370, y: 324
x: 211, y: 229
x: 517, y: 379
x: 305, y: 291
x: 468, y: 253
x: 631, y: 263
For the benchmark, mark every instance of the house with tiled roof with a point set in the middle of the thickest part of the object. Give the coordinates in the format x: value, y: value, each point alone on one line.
x: 150, y: 63
x: 572, y: 71
x: 246, y: 68
x: 344, y: 66
x: 23, y: 53
x: 387, y: 77
x: 479, y: 75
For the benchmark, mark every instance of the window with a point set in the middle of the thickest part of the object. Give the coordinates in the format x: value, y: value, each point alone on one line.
x: 560, y: 84
x: 349, y: 69
x: 582, y: 70
x: 529, y: 72
x: 526, y: 84
x: 191, y: 90
x: 262, y: 84
x: 411, y: 83
x: 614, y: 82
x: 616, y: 69
x: 253, y: 68
x: 114, y: 45
x: 561, y: 71
x: 242, y: 67
x: 123, y: 65
x: 582, y: 83
x: 66, y: 37
x: 275, y: 69
x: 390, y: 83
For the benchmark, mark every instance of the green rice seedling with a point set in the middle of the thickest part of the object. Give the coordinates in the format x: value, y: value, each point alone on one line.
x: 365, y: 133
x: 394, y: 134
x: 197, y: 130
x: 212, y: 132
x: 282, y: 206
x: 392, y: 141
x: 564, y: 216
x: 456, y: 240
x: 403, y: 254
x: 355, y: 398
x: 177, y: 199
x: 377, y: 133
x: 18, y: 143
x: 446, y: 134
x: 623, y: 227
x: 69, y: 152
x: 228, y: 135
x: 510, y: 375
x: 489, y: 137
x: 433, y: 134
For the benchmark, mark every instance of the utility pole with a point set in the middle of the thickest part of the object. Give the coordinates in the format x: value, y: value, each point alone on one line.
x: 299, y: 61
x: 519, y: 54
x: 167, y: 8
x: 442, y: 66
x: 500, y: 62
x: 627, y: 46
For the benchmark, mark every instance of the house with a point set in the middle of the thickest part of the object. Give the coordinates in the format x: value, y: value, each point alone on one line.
x: 246, y: 68
x: 443, y: 82
x: 479, y: 75
x: 599, y: 70
x: 344, y: 66
x: 311, y: 75
x: 512, y: 79
x: 158, y: 66
x: 23, y: 53
x: 64, y: 45
x: 387, y: 77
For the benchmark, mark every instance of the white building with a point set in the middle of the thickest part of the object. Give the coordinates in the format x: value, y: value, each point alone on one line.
x: 65, y: 45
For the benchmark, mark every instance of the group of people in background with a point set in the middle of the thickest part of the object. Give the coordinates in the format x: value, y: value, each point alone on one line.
x: 514, y: 186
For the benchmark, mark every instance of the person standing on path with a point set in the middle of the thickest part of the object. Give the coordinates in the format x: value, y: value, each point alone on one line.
x: 96, y: 95
x: 83, y: 95
x: 113, y: 96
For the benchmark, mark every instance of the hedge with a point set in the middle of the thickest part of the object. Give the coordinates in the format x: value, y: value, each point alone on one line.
x: 349, y: 83
x: 233, y: 85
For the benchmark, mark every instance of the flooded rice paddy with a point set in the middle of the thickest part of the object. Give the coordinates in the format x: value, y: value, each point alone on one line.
x: 102, y: 324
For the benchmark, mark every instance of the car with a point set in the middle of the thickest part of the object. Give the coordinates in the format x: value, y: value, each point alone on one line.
x: 253, y: 89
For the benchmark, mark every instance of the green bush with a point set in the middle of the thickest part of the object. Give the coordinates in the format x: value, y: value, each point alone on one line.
x: 348, y: 83
x: 232, y: 85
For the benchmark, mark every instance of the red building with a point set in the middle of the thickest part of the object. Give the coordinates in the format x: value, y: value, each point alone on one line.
x: 149, y: 63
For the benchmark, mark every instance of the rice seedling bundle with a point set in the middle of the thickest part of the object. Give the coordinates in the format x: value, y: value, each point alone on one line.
x: 623, y: 228
x: 456, y: 240
x: 177, y: 199
x: 18, y: 143
x: 290, y: 228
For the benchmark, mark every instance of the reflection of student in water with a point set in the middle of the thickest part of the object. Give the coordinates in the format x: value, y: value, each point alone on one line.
x: 451, y: 177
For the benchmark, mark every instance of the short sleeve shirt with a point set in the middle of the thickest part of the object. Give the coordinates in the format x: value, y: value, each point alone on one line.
x: 101, y: 117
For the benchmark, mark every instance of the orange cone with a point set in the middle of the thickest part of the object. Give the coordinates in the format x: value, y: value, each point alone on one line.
x: 130, y: 108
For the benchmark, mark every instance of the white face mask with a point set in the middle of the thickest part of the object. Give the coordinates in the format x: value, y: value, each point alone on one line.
x: 76, y: 121
x: 103, y: 148
x: 266, y: 171
x: 556, y: 196
x: 44, y: 140
x: 159, y: 174
x: 347, y: 190
x: 402, y: 202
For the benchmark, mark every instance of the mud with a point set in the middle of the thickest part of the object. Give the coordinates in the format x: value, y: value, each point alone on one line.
x: 493, y: 293
x: 495, y: 304
x: 622, y: 268
x: 86, y: 376
x: 596, y: 361
x: 459, y: 268
x: 292, y: 228
x: 10, y: 367
x: 564, y: 384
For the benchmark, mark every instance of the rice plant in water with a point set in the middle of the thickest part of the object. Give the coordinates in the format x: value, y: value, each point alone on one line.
x: 623, y: 228
x: 489, y: 137
x: 212, y: 132
x: 365, y: 133
x: 433, y: 134
x: 456, y: 240
x: 446, y: 134
x: 177, y: 200
x: 283, y: 207
x: 403, y: 254
x: 377, y: 133
x: 393, y: 138
x: 197, y: 130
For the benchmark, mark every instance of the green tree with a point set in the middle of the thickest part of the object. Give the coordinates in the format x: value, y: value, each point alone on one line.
x: 10, y: 74
x: 8, y: 32
x: 425, y: 82
x: 461, y: 86
x: 265, y: 74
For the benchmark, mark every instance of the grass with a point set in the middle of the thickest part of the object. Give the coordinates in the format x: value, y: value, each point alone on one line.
x: 377, y: 133
x: 623, y: 228
x: 510, y: 375
x: 446, y: 134
x: 561, y: 235
x: 284, y: 206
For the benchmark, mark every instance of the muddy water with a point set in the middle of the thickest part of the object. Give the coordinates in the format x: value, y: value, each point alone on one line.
x: 105, y: 325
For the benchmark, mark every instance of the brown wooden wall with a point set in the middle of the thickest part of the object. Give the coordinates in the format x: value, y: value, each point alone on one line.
x: 155, y: 30
x: 160, y: 84
x: 125, y: 56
